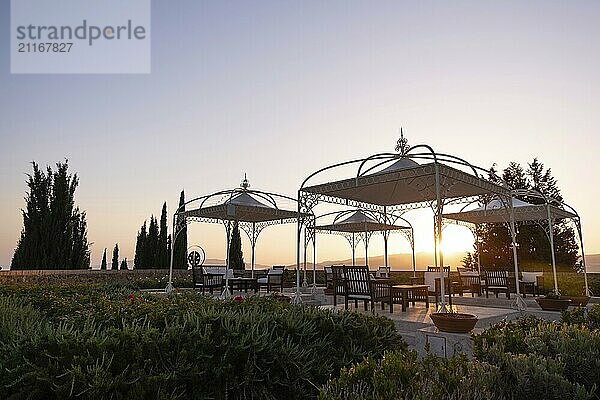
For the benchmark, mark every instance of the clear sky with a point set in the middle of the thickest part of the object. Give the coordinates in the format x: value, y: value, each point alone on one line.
x: 279, y: 89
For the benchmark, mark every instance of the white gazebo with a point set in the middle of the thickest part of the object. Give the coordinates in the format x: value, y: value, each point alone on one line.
x: 359, y: 225
x: 413, y: 177
x: 496, y: 212
x: 252, y: 210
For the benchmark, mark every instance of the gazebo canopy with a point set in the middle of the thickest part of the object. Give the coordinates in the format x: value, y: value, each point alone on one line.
x: 496, y: 212
x: 252, y: 210
x: 359, y: 222
x: 244, y: 206
x: 406, y: 181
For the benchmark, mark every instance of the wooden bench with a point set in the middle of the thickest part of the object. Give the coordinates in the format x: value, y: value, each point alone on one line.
x: 496, y: 282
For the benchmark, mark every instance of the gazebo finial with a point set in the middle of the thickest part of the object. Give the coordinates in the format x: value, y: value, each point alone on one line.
x: 245, y: 183
x: 402, y: 144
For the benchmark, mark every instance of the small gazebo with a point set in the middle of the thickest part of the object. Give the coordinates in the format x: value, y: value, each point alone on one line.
x: 496, y: 211
x: 252, y: 210
x: 359, y: 225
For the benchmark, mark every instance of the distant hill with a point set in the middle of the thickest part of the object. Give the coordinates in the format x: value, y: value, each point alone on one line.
x: 592, y: 262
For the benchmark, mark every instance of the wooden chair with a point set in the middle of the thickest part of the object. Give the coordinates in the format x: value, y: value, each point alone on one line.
x: 497, y: 282
x: 533, y: 280
x: 382, y: 272
x: 337, y: 281
x: 273, y: 279
x: 433, y: 280
x: 206, y: 280
x: 469, y: 281
x: 328, y: 278
x: 357, y: 285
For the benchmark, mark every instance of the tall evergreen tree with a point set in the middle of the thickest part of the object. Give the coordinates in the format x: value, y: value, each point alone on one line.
x: 115, y: 258
x: 140, y: 248
x: 181, y: 243
x: 103, y: 265
x: 236, y: 256
x: 151, y: 249
x: 124, y: 264
x: 533, y: 241
x: 162, y: 254
x: 54, y: 234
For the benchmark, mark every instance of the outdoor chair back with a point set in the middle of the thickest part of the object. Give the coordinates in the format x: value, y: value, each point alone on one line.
x: 382, y: 272
x: 469, y: 281
x: 337, y: 279
x: 533, y: 280
x: 273, y: 279
x: 497, y: 282
x: 328, y: 277
x: 358, y: 286
x: 207, y: 280
x: 437, y: 269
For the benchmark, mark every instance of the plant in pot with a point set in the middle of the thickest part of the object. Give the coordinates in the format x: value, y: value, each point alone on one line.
x: 454, y: 322
x: 577, y: 301
x: 553, y: 302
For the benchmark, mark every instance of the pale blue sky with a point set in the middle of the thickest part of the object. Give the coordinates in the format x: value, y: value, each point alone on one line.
x: 279, y: 89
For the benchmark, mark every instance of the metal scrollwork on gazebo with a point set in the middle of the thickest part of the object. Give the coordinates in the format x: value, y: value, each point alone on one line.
x: 252, y: 210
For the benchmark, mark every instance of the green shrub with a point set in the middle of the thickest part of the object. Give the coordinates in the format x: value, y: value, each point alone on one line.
x: 576, y: 348
x: 589, y: 317
x: 404, y: 376
x: 111, y: 343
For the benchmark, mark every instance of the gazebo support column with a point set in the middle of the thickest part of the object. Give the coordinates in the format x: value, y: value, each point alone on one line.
x: 385, y: 238
x: 579, y: 232
x: 519, y: 302
x: 314, y: 241
x: 551, y: 237
x: 304, y: 281
x: 253, y: 246
x: 169, y: 287
x: 226, y: 293
x: 353, y: 250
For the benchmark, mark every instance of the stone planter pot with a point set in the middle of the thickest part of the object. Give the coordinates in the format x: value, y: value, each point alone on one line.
x: 553, y: 304
x: 454, y: 322
x: 577, y: 301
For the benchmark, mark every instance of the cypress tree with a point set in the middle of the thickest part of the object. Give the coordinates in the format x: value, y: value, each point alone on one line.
x: 115, y: 258
x: 54, y: 234
x: 236, y: 256
x: 140, y: 248
x: 150, y: 253
x: 180, y: 246
x: 162, y: 251
x: 124, y: 264
x: 103, y: 265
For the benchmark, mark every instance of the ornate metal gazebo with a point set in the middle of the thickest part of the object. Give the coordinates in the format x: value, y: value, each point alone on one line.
x: 357, y: 225
x: 397, y: 182
x: 252, y: 210
x: 544, y: 215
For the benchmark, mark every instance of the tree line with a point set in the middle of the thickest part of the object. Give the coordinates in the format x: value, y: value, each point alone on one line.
x: 533, y: 243
x: 153, y: 243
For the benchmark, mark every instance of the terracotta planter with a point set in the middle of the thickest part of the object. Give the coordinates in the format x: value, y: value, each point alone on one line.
x: 454, y: 322
x: 553, y: 304
x: 577, y: 301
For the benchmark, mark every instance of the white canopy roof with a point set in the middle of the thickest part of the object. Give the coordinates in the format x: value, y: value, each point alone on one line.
x: 496, y: 212
x: 358, y: 222
x: 245, y: 206
x: 405, y: 181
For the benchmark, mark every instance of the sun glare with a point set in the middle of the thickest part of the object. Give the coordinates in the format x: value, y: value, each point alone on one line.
x: 456, y: 239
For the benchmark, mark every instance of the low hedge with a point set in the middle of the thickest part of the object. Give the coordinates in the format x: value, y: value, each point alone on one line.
x: 112, y: 343
x: 575, y: 347
x: 404, y: 376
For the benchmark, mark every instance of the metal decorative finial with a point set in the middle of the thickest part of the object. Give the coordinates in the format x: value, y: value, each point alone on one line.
x: 245, y: 183
x: 402, y: 144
